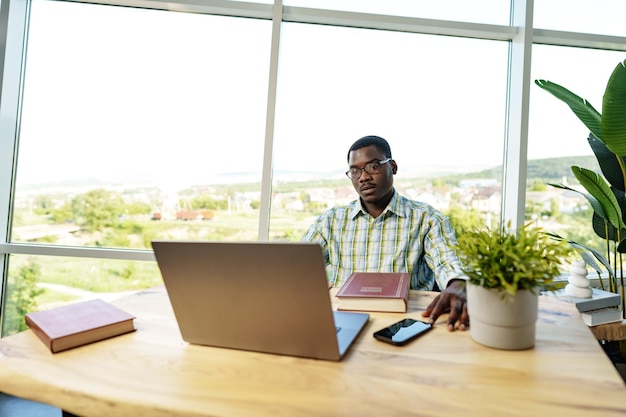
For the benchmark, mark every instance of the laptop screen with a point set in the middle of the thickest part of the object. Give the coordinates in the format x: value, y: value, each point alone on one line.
x: 261, y: 296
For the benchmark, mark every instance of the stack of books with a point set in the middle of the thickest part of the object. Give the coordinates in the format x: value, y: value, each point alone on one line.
x: 602, y: 307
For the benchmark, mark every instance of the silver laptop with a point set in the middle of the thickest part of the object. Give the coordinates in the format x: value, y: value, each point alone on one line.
x: 259, y: 296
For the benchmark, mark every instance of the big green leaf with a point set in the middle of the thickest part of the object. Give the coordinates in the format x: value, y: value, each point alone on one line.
x: 595, y: 204
x: 598, y: 187
x: 581, y: 107
x: 614, y: 111
x: 608, y: 162
x: 604, y: 229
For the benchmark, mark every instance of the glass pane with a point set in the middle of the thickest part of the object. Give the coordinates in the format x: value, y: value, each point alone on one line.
x: 603, y: 17
x: 42, y: 282
x: 124, y: 127
x: 441, y: 110
x: 477, y: 11
x: 558, y: 140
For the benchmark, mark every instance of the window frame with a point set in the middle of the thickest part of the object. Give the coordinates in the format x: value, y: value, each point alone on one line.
x: 520, y: 34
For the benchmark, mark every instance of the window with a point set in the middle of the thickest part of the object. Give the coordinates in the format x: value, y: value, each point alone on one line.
x: 39, y: 282
x: 555, y: 132
x: 604, y: 17
x: 207, y: 121
x: 441, y: 109
x: 121, y: 127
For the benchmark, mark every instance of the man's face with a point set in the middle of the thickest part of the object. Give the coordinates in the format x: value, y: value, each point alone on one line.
x: 372, y: 187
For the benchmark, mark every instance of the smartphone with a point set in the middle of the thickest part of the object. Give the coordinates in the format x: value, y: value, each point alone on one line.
x: 403, y: 331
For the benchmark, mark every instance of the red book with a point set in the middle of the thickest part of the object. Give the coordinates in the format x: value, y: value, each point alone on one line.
x: 78, y: 324
x: 375, y: 291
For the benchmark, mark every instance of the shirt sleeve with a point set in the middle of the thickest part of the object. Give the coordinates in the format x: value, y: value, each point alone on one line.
x: 440, y: 253
x: 315, y: 233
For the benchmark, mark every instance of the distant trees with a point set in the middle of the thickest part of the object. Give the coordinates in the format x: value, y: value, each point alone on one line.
x: 22, y: 292
x: 538, y: 185
x: 62, y: 214
x: 43, y: 204
x: 97, y: 209
x: 209, y: 203
x: 464, y: 220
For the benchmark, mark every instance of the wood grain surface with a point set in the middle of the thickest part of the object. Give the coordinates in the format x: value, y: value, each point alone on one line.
x: 153, y: 372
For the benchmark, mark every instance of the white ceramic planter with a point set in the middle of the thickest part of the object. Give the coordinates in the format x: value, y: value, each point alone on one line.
x: 500, y: 323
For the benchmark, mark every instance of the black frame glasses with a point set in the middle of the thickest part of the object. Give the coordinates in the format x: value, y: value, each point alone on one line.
x: 371, y: 168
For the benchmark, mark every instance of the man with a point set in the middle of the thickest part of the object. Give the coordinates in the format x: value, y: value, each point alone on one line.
x: 383, y: 231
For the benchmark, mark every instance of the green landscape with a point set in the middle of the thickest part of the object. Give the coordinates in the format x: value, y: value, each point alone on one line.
x: 118, y: 219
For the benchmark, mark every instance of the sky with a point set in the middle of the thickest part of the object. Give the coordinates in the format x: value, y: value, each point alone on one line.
x: 180, y: 98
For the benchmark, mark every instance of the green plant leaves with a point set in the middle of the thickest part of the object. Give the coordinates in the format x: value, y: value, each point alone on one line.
x: 608, y: 161
x: 595, y: 204
x: 510, y: 260
x: 586, y: 252
x: 608, y: 142
x: 581, y: 107
x: 598, y: 187
x: 613, y: 118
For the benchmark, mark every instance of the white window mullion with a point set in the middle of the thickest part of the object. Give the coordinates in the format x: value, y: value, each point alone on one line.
x: 266, y: 180
x: 13, y: 23
x: 516, y: 135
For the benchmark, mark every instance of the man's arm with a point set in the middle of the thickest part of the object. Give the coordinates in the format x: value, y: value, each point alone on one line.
x: 315, y: 234
x: 447, y: 269
x: 440, y: 252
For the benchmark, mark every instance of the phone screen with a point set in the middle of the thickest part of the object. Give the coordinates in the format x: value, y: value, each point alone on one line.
x: 403, y: 331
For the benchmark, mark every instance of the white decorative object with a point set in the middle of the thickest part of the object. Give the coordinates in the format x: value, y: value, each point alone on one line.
x: 578, y: 284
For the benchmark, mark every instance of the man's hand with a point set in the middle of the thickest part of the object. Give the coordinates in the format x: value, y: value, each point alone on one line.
x: 452, y: 300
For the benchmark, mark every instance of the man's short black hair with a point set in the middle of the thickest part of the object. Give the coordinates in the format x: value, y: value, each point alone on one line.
x: 377, y: 141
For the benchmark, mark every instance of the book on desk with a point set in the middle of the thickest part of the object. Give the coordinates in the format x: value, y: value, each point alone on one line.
x: 375, y: 291
x: 78, y: 324
x: 602, y: 316
x: 601, y: 308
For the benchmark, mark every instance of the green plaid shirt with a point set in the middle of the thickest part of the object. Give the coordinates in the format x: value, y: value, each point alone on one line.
x: 409, y: 236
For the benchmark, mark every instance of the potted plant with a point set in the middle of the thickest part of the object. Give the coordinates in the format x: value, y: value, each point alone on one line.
x: 606, y: 194
x: 506, y: 270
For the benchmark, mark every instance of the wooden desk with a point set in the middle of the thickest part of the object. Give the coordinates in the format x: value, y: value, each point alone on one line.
x: 152, y: 372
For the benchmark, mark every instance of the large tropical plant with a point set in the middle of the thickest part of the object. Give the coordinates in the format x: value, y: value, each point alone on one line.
x: 606, y: 194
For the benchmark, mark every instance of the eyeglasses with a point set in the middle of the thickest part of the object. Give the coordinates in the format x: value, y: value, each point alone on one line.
x: 373, y: 167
